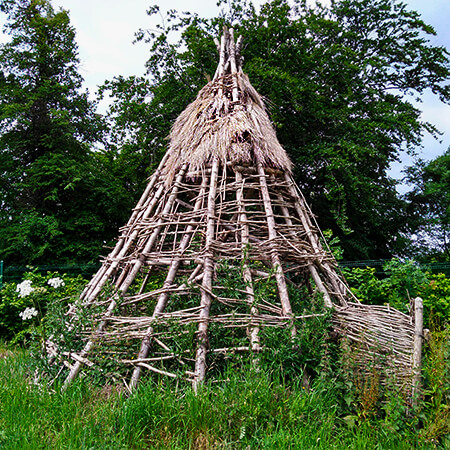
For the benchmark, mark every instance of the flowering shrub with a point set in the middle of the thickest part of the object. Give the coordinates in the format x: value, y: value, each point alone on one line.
x: 56, y: 282
x: 23, y: 305
x: 28, y: 313
x: 24, y: 288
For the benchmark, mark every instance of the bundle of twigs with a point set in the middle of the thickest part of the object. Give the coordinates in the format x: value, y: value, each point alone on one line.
x: 227, y: 121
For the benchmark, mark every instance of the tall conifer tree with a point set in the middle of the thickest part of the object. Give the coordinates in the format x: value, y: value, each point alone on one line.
x: 51, y: 185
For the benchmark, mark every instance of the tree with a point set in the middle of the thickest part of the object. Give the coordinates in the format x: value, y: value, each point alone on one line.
x: 57, y: 199
x: 336, y: 79
x: 133, y: 133
x: 430, y: 207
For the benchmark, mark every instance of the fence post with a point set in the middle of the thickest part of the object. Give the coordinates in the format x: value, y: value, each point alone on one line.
x: 417, y: 354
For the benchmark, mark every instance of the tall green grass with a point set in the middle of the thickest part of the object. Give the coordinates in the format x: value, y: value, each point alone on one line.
x: 34, y: 417
x: 252, y: 409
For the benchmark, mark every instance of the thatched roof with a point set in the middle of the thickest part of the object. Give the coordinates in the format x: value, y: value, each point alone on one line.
x: 220, y: 233
x: 234, y: 127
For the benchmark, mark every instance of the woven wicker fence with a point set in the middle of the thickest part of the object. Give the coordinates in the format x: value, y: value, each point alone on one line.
x: 383, y: 341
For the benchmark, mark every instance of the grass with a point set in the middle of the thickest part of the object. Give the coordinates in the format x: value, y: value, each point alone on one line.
x: 250, y: 410
x: 36, y: 418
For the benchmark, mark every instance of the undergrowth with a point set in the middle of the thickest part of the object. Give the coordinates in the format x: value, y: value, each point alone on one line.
x: 250, y: 408
x: 305, y: 392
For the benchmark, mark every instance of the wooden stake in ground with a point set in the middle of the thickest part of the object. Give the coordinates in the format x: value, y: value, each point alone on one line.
x: 208, y: 269
x: 417, y: 355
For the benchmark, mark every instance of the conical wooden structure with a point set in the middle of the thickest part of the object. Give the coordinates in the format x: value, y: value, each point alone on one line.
x: 222, y: 203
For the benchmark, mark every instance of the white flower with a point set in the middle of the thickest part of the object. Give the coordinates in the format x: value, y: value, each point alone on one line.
x: 28, y: 313
x: 56, y: 282
x: 24, y: 288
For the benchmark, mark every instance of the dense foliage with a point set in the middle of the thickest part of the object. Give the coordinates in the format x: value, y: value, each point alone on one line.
x: 400, y: 282
x: 429, y: 204
x: 58, y: 199
x: 24, y: 305
x: 337, y: 81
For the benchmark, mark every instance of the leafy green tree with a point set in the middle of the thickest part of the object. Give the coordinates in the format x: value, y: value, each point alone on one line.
x: 58, y: 201
x: 430, y: 207
x: 133, y: 132
x: 337, y: 80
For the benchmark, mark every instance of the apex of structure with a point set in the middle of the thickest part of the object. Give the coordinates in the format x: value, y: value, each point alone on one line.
x: 227, y: 121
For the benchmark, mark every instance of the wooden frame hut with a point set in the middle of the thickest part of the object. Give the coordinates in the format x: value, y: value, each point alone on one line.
x: 222, y: 194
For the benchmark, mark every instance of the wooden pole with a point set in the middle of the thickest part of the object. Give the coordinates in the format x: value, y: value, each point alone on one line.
x: 235, y: 92
x: 275, y: 258
x: 206, y: 289
x: 163, y: 297
x: 339, y: 287
x: 247, y: 274
x: 313, y: 270
x: 119, y: 252
x: 221, y: 66
x: 151, y: 242
x: 129, y: 279
x: 417, y: 353
x: 94, y: 287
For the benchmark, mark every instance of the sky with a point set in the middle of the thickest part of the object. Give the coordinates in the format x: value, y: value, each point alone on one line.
x: 105, y: 33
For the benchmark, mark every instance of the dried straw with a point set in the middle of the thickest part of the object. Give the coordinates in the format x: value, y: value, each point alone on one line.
x: 224, y: 193
x: 213, y: 126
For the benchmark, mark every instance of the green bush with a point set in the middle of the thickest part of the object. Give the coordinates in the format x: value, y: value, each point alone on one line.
x: 24, y: 305
x: 402, y: 282
x: 436, y: 392
x: 436, y: 297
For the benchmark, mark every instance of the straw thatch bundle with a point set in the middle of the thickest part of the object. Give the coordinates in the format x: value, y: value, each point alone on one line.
x: 237, y: 133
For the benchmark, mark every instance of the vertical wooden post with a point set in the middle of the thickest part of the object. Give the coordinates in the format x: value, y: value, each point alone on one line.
x: 221, y: 66
x: 275, y: 257
x: 164, y: 296
x: 247, y: 274
x: 417, y: 353
x: 208, y: 270
x: 235, y: 92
